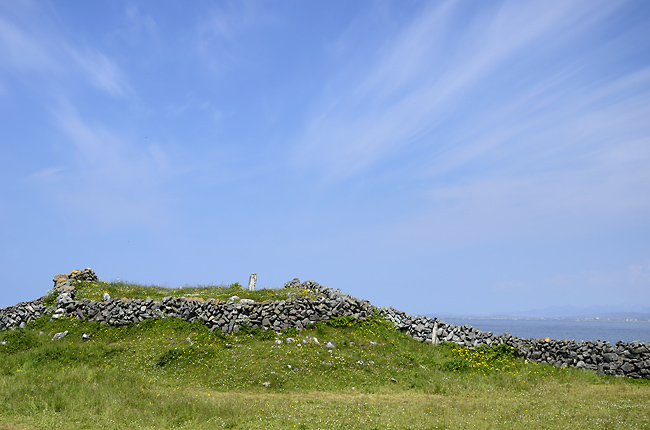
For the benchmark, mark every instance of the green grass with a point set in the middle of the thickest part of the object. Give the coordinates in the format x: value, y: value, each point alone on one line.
x: 151, y: 376
x: 117, y: 289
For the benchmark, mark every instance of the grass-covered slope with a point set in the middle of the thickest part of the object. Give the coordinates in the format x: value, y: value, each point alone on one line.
x: 171, y: 374
x: 95, y: 291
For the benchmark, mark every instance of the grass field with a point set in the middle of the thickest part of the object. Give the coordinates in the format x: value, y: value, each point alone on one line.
x: 172, y: 374
x: 95, y: 291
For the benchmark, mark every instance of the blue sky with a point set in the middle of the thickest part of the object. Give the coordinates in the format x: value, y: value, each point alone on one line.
x: 447, y: 157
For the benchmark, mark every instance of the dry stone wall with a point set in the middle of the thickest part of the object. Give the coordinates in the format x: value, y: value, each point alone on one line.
x: 630, y: 359
x: 295, y: 312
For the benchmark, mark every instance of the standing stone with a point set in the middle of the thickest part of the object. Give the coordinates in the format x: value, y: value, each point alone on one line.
x: 252, y: 281
x: 434, y: 334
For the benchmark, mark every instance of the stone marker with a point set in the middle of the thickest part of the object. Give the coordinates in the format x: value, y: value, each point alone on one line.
x: 434, y: 334
x: 252, y: 281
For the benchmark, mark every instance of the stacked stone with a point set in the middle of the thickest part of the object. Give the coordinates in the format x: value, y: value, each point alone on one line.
x: 625, y: 359
x: 432, y: 330
x: 63, y: 283
x: 631, y: 359
x: 229, y: 317
x: 22, y: 313
x: 296, y: 312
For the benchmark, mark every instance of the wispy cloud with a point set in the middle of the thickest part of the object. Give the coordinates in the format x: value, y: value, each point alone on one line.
x: 105, y: 168
x: 20, y: 49
x: 138, y: 24
x: 414, y: 88
x: 45, y: 174
x: 33, y: 43
x: 498, y: 133
x: 217, y: 34
x: 117, y: 182
x: 101, y: 71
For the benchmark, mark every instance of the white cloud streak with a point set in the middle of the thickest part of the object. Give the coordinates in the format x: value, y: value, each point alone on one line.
x: 20, y: 50
x: 117, y: 181
x: 559, y: 144
x: 101, y: 71
x: 33, y: 43
x: 138, y: 24
x: 109, y: 180
x: 216, y: 35
x: 415, y: 86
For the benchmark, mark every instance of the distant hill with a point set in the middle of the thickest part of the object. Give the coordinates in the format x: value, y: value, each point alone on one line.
x: 613, y: 316
x: 571, y: 313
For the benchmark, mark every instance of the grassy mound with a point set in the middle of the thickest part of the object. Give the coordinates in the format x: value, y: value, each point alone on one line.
x: 118, y: 289
x: 171, y: 374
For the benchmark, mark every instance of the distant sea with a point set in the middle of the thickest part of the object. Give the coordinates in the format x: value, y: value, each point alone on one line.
x: 610, y: 331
